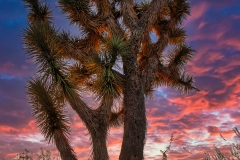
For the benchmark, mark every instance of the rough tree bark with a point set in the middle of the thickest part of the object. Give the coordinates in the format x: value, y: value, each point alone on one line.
x: 62, y: 145
x: 133, y: 91
x: 135, y: 114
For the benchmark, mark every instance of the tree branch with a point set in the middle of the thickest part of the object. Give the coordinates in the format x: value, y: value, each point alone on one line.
x: 153, y: 61
x: 129, y: 15
x: 106, y: 12
x: 79, y: 13
x: 38, y: 11
x: 77, y: 49
x: 180, y: 81
x: 151, y: 15
x: 168, y: 32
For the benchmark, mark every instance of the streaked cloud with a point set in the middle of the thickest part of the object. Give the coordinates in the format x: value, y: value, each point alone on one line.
x: 196, y: 120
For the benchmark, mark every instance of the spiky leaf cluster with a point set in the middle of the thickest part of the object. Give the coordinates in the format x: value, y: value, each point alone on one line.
x: 177, y: 36
x: 107, y: 81
x: 38, y: 11
x: 41, y: 43
x: 47, y: 108
x: 179, y: 56
x: 179, y: 9
x: 74, y: 7
x: 117, y: 118
x: 79, y: 13
x: 171, y: 67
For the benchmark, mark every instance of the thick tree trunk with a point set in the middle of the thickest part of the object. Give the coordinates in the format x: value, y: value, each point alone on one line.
x: 99, y: 129
x: 63, y: 146
x: 135, y: 113
x: 96, y: 122
x: 99, y: 146
x: 98, y: 132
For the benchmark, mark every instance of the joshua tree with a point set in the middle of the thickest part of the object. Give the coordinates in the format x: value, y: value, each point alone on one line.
x: 115, y: 59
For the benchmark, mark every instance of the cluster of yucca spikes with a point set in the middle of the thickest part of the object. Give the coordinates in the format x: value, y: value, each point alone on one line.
x: 69, y: 66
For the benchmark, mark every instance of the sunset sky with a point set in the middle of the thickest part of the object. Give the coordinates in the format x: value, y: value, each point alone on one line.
x: 196, y: 120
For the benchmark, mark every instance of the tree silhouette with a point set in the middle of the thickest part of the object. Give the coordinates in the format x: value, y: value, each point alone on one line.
x: 115, y: 59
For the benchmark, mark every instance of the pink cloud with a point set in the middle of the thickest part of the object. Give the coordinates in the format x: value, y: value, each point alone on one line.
x: 198, y: 10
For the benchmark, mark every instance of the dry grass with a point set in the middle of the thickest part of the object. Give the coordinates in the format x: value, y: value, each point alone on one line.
x: 41, y: 155
x: 233, y: 154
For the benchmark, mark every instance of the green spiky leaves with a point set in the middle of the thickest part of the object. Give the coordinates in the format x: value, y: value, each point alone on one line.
x: 115, y: 46
x: 177, y: 36
x: 47, y: 108
x: 182, y: 82
x: 187, y: 83
x: 78, y: 12
x: 179, y: 56
x: 74, y: 6
x: 108, y: 83
x: 179, y: 9
x: 107, y: 80
x: 38, y: 11
x: 173, y: 74
x: 41, y: 44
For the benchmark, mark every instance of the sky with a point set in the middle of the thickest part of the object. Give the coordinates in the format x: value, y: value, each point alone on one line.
x: 195, y: 120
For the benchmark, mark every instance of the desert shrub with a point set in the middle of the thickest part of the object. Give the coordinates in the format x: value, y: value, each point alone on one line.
x: 43, y: 154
